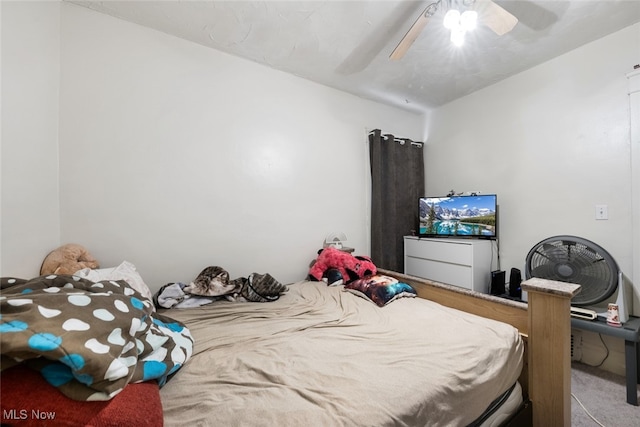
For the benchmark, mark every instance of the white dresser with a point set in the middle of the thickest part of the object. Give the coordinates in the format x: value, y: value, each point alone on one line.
x: 462, y: 262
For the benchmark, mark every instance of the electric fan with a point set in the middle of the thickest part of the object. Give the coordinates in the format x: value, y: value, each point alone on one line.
x: 576, y: 260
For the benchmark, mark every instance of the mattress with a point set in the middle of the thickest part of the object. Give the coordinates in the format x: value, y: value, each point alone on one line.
x: 323, y: 356
x: 501, y: 409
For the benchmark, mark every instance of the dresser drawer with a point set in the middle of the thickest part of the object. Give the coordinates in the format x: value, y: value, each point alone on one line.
x: 451, y: 274
x: 444, y: 251
x: 459, y: 262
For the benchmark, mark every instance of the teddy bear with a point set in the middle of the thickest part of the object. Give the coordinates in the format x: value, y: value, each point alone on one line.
x: 67, y: 259
x: 335, y: 265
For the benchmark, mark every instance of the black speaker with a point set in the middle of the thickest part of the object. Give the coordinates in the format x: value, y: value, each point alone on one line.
x: 515, y: 279
x: 497, y: 282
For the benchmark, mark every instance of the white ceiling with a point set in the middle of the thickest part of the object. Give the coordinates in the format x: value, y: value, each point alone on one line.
x: 346, y: 44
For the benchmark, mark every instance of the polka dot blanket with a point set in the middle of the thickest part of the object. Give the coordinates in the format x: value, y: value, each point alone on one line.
x: 89, y: 339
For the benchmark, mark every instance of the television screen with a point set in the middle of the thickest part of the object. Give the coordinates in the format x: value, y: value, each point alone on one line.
x: 459, y: 216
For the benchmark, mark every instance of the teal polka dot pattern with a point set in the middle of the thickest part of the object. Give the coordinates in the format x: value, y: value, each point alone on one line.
x: 57, y: 374
x: 44, y: 342
x: 136, y: 303
x: 13, y: 326
x: 89, y: 339
x: 74, y: 361
x: 154, y: 369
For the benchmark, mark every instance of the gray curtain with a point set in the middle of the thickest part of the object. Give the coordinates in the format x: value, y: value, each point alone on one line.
x: 397, y: 182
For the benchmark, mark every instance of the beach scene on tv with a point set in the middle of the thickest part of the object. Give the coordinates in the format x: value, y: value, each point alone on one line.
x: 467, y: 216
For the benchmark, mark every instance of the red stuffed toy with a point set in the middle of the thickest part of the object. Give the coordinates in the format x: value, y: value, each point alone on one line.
x: 349, y: 267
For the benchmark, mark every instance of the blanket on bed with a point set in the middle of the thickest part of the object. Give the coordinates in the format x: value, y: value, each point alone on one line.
x: 213, y: 284
x: 320, y: 356
x: 89, y: 339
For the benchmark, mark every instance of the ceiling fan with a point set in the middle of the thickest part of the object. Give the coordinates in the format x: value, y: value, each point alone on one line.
x: 484, y: 11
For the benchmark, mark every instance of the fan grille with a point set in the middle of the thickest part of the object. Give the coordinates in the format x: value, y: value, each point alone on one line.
x: 575, y: 260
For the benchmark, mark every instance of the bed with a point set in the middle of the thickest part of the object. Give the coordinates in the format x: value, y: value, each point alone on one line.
x: 371, y: 370
x: 321, y: 355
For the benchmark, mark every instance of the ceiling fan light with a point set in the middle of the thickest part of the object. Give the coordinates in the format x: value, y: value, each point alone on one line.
x: 457, y: 36
x: 469, y: 20
x: 451, y: 19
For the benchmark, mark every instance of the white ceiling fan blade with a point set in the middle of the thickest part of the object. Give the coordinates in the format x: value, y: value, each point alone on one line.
x: 495, y: 17
x: 411, y: 36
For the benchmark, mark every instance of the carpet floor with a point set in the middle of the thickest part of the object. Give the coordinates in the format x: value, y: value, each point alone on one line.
x: 604, y: 395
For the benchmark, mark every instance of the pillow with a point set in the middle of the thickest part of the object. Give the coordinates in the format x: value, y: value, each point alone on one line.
x: 125, y: 271
x: 380, y: 289
x: 27, y: 399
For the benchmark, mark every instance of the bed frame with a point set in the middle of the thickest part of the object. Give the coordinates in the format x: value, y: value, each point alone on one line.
x: 545, y: 325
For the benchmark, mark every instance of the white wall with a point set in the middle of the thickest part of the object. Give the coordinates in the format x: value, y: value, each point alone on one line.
x: 175, y: 157
x: 552, y: 142
x: 29, y: 199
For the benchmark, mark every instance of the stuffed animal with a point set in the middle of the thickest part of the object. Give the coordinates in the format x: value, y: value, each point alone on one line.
x: 67, y: 259
x: 349, y: 267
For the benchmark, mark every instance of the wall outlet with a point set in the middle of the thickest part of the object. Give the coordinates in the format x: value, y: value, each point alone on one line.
x: 602, y: 212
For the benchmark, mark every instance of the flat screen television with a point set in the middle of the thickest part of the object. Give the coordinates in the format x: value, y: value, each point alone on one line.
x: 473, y: 216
